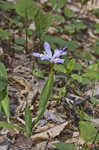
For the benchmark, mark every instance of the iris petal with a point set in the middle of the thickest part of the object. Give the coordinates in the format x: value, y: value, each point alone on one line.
x: 47, y: 49
x: 58, y: 60
x: 63, y: 51
x: 36, y: 54
x: 43, y: 57
x: 57, y: 53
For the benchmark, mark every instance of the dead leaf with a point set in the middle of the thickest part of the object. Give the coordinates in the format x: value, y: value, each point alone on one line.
x: 95, y: 122
x: 49, y: 115
x: 50, y: 133
x: 40, y: 146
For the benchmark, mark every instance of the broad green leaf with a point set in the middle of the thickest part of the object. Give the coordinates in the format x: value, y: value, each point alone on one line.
x: 60, y: 19
x: 87, y: 55
x: 4, y: 34
x: 88, y: 131
x: 44, y: 97
x: 16, y: 22
x: 6, y: 5
x: 97, y: 27
x: 93, y: 67
x: 69, y: 66
x: 96, y: 47
x: 65, y: 146
x: 68, y: 12
x: 28, y: 121
x: 18, y: 47
x: 59, y: 68
x: 26, y: 8
x: 38, y: 73
x: 3, y: 72
x: 42, y: 23
x: 80, y: 26
x: 56, y: 4
x: 69, y: 28
x: 91, y: 75
x: 20, y: 41
x: 96, y: 11
x: 77, y: 66
x: 10, y: 125
x: 94, y: 100
x: 77, y: 77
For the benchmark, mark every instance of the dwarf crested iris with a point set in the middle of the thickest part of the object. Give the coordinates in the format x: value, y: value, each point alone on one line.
x: 47, y: 54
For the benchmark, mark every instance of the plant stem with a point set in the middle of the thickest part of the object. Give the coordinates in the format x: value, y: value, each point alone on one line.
x: 26, y: 31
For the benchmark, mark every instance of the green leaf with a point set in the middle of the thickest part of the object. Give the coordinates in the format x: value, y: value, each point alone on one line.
x: 28, y: 121
x: 42, y: 23
x: 60, y: 19
x: 26, y: 9
x: 5, y: 105
x: 10, y: 125
x: 94, y: 100
x: 91, y: 75
x: 77, y: 77
x: 65, y: 146
x: 96, y: 47
x: 20, y: 41
x: 80, y: 26
x: 6, y: 5
x: 38, y: 73
x: 77, y: 66
x: 97, y: 27
x: 87, y: 131
x: 96, y: 11
x: 18, y: 47
x: 72, y: 45
x: 16, y: 22
x: 4, y: 90
x: 3, y: 72
x: 69, y: 28
x: 59, y: 68
x: 3, y: 87
x: 57, y: 4
x: 68, y: 12
x: 4, y: 34
x: 69, y: 66
x: 3, y: 81
x: 44, y: 97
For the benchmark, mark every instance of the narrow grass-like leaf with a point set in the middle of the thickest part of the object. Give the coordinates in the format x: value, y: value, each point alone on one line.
x: 42, y: 23
x: 10, y: 125
x: 28, y: 121
x: 29, y: 7
x: 65, y: 146
x: 44, y: 97
x: 4, y: 90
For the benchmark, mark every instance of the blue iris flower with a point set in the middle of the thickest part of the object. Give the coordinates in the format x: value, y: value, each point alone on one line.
x: 47, y: 54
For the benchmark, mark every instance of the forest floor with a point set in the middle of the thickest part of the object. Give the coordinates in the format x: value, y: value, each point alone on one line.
x: 60, y: 122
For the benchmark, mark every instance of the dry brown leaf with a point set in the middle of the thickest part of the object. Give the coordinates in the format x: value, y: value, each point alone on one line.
x: 95, y: 122
x: 40, y: 146
x: 50, y: 133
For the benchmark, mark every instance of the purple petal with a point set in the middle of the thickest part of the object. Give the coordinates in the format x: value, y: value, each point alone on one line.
x: 57, y: 53
x: 47, y: 49
x: 58, y: 60
x: 43, y: 57
x: 63, y: 52
x: 36, y: 54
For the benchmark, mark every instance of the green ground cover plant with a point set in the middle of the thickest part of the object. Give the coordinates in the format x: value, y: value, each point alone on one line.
x: 61, y: 55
